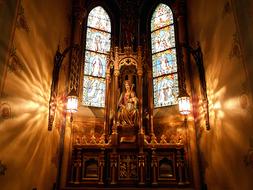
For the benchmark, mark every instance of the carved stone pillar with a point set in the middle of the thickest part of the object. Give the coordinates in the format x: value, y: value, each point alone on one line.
x: 181, y: 8
x: 186, y: 153
x: 151, y: 103
x: 182, y: 29
x: 141, y: 168
x: 77, y: 164
x: 75, y: 54
x: 113, y: 165
x: 107, y: 101
x: 116, y: 82
x: 186, y: 167
x: 140, y: 83
x: 114, y: 136
x: 73, y: 168
x: 115, y: 121
x: 180, y: 165
x: 140, y: 86
x: 101, y: 167
x: 78, y: 17
x: 154, y: 166
x: 191, y: 155
x: 182, y: 52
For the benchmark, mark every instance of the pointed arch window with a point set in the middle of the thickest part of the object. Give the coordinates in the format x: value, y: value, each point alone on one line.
x: 98, y: 42
x: 164, y: 58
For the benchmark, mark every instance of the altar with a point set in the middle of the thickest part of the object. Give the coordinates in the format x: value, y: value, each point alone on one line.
x: 128, y: 151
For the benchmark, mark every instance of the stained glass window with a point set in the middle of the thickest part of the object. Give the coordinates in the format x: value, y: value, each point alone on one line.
x: 165, y: 90
x: 98, y: 42
x: 164, y: 57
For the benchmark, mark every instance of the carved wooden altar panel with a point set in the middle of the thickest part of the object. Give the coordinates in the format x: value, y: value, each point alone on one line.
x: 161, y: 165
x: 128, y: 167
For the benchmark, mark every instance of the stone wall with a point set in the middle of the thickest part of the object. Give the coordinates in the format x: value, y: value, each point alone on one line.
x: 29, y: 152
x: 223, y: 30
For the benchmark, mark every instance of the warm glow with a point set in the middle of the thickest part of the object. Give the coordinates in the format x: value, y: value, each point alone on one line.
x: 72, y: 104
x: 217, y: 106
x: 184, y: 105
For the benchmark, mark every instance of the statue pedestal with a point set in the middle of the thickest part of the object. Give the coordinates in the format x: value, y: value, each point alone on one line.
x: 127, y: 134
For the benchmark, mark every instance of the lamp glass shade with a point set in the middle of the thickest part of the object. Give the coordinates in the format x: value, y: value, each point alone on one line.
x: 72, y: 104
x: 184, y: 105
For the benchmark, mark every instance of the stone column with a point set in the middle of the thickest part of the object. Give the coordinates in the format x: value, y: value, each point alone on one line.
x: 78, y: 16
x: 101, y: 167
x: 154, y: 166
x: 141, y: 168
x: 184, y: 77
x: 139, y: 88
x: 73, y: 168
x: 151, y: 101
x: 115, y: 98
x: 113, y: 165
x: 116, y: 86
x: 78, y: 163
x: 107, y: 100
x: 180, y: 165
x: 116, y: 82
x: 74, y: 67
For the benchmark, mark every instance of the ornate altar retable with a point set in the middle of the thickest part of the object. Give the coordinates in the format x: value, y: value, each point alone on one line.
x: 127, y: 153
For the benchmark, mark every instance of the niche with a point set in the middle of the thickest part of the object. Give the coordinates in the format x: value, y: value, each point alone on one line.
x: 91, y: 168
x: 165, y: 168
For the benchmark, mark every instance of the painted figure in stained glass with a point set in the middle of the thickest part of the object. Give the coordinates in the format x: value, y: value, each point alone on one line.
x: 127, y: 113
x: 94, y: 90
x: 164, y: 63
x: 99, y: 96
x: 97, y: 67
x: 95, y: 64
x: 98, y: 41
x: 165, y: 90
x: 163, y: 39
